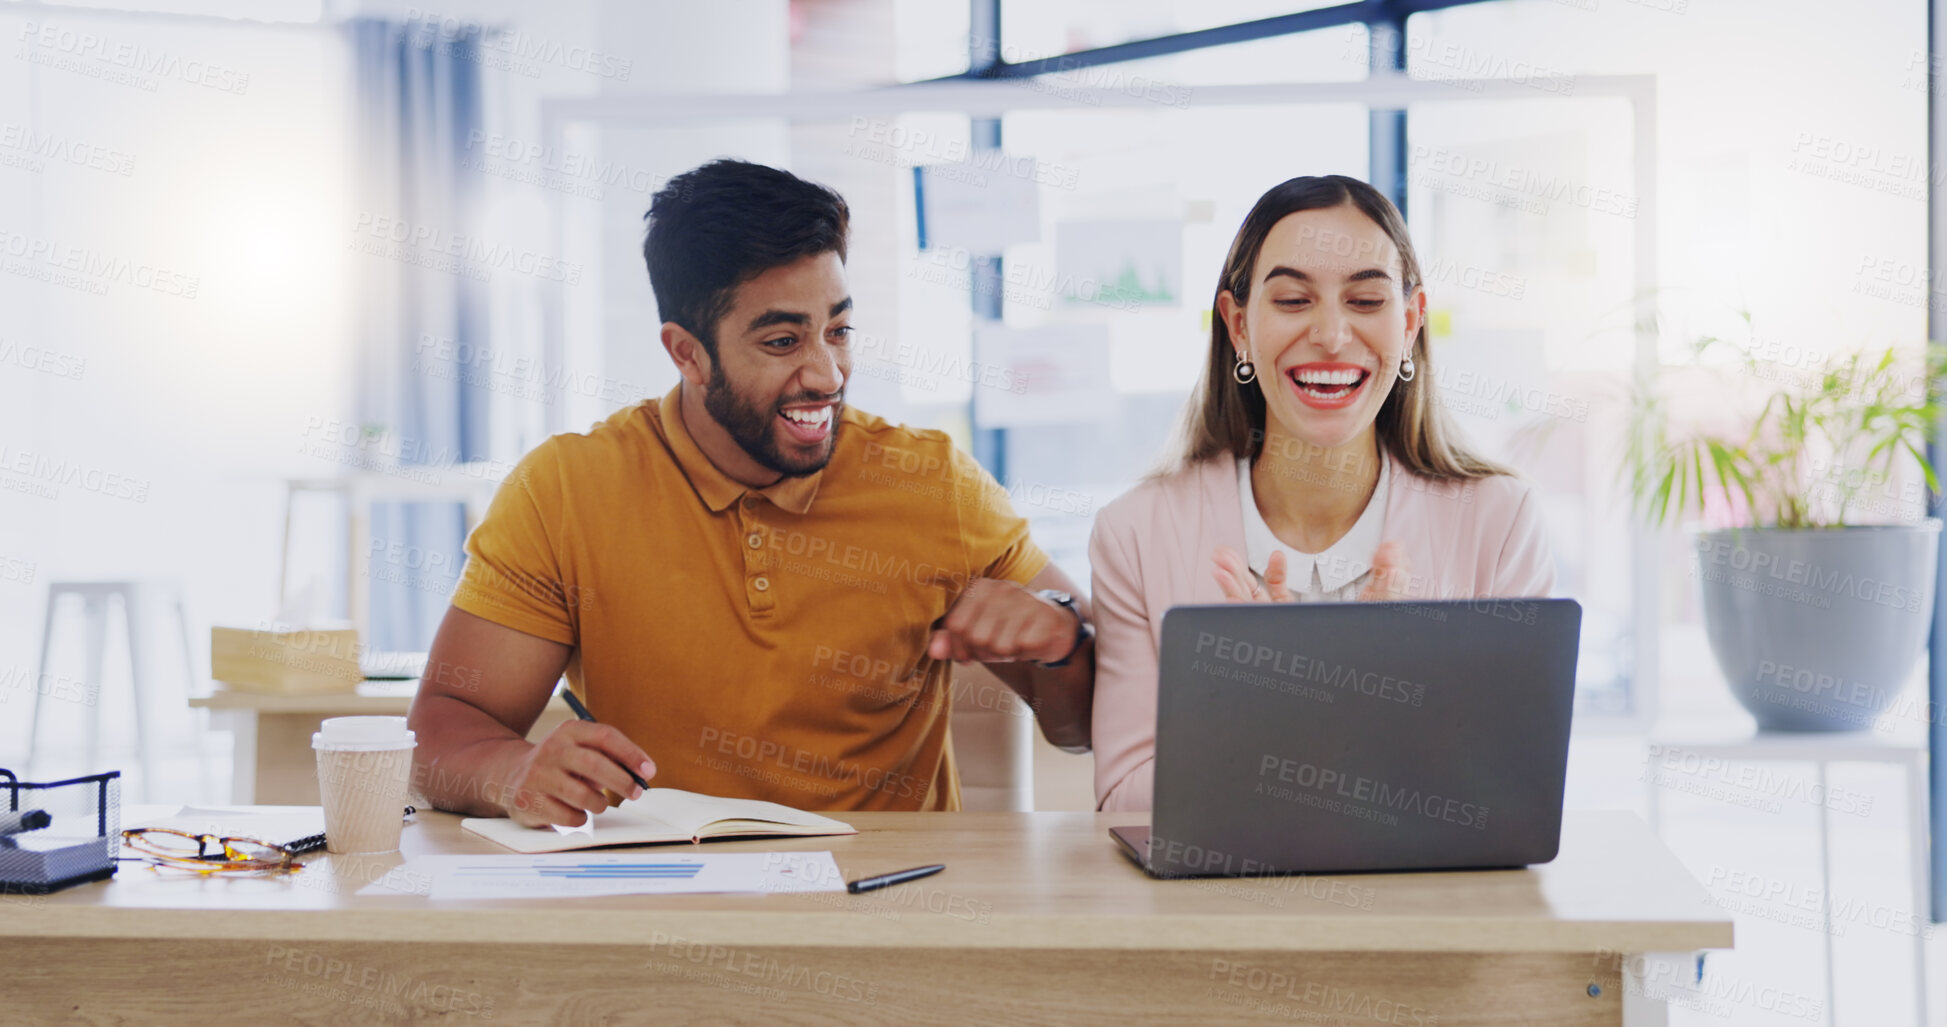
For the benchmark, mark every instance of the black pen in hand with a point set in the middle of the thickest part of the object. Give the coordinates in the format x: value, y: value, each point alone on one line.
x: 582, y: 712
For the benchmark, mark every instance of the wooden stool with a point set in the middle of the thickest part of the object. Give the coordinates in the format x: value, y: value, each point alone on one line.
x: 94, y: 597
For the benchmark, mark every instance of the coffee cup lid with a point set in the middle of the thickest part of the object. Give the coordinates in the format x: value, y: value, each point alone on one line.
x: 363, y: 734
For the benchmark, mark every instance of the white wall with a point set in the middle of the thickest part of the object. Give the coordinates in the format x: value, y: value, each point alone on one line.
x: 195, y: 398
x: 206, y: 323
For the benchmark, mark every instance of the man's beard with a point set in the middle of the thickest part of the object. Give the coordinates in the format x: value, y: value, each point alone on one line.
x: 755, y: 431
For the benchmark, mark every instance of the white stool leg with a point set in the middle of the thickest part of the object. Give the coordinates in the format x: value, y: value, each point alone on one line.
x: 40, y: 676
x: 199, y: 718
x: 1825, y: 882
x: 96, y: 609
x: 1652, y: 797
x: 1917, y: 824
x: 358, y: 589
x: 189, y: 654
x: 139, y: 657
x: 284, y: 551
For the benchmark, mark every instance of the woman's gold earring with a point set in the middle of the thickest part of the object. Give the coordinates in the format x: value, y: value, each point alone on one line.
x: 1245, y: 372
x: 1406, y: 369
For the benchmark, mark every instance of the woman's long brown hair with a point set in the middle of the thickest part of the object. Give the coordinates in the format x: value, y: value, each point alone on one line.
x: 1225, y: 418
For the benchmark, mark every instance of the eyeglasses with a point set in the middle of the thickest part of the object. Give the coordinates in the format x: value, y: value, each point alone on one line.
x: 208, y: 853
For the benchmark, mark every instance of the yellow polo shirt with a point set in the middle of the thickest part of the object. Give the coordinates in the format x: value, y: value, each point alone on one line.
x: 767, y: 643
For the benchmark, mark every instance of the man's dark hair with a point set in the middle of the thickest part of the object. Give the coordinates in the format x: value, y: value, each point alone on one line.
x: 718, y: 226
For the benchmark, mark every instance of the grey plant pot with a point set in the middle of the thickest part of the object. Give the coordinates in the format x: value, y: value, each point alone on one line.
x: 1817, y: 629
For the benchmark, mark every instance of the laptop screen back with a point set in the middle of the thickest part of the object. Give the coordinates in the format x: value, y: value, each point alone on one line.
x: 1362, y: 736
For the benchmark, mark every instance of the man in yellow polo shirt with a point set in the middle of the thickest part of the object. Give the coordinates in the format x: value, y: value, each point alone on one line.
x: 757, y: 590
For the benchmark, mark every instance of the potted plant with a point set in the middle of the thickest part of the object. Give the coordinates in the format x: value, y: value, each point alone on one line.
x: 1816, y: 560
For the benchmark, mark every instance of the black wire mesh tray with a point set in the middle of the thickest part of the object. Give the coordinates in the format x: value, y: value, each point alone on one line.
x: 58, y: 834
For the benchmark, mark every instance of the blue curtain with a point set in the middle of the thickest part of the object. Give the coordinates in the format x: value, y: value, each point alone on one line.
x: 418, y: 98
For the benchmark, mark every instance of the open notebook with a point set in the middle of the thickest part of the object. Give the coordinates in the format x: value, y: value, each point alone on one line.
x: 663, y: 815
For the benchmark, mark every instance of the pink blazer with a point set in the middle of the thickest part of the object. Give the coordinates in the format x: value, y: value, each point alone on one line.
x: 1151, y: 547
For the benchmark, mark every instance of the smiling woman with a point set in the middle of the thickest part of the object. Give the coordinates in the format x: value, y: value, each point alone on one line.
x: 1323, y: 284
x: 1315, y: 462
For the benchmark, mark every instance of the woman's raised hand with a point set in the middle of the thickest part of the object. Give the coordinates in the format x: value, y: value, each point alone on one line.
x: 1387, y: 583
x: 1389, y: 575
x: 1240, y: 585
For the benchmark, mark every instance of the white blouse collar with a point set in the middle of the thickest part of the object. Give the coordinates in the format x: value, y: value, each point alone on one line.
x: 1342, y: 563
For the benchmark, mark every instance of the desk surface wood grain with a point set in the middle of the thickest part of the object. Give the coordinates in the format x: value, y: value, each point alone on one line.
x: 1013, y: 880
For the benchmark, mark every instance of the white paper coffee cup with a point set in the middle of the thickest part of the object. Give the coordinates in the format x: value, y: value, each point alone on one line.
x: 364, y: 767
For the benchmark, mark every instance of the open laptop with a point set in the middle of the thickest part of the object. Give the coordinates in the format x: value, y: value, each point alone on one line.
x: 1315, y: 738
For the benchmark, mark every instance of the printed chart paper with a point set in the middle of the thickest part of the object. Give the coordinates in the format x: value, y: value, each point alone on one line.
x: 580, y: 874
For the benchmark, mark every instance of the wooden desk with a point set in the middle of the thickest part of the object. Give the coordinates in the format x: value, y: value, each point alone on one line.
x: 1037, y: 919
x: 273, y: 762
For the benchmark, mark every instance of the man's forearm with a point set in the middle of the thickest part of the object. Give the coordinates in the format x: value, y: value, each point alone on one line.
x: 466, y: 758
x: 1061, y: 697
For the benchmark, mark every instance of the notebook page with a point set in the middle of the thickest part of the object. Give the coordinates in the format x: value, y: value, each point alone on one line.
x: 620, y: 826
x: 661, y: 815
x: 692, y: 812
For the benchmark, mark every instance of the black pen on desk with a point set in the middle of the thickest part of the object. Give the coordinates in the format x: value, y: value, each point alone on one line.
x: 866, y: 884
x: 582, y: 712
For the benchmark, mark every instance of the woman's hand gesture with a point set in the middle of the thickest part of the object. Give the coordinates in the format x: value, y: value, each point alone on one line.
x: 1388, y: 583
x: 1240, y: 583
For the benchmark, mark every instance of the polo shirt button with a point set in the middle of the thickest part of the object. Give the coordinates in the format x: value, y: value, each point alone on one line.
x: 761, y: 584
x: 755, y: 540
x: 750, y: 501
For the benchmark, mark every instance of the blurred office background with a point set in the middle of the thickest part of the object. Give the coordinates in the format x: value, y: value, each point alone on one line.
x: 254, y: 249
